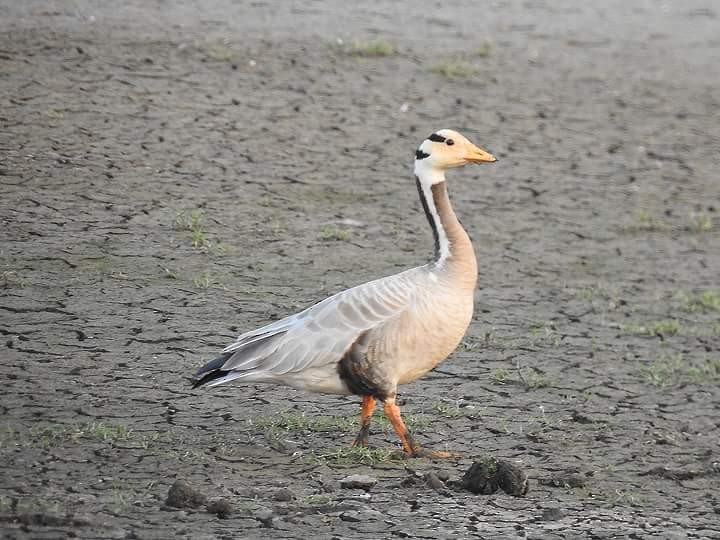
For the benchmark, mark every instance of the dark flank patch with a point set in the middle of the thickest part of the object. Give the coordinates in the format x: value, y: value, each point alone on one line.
x: 429, y: 216
x: 420, y: 154
x: 436, y: 138
x: 357, y: 372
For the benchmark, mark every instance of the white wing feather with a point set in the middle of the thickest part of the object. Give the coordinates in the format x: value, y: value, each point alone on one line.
x: 322, y: 333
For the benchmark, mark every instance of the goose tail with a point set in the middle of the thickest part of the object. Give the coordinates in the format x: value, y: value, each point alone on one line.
x: 212, y: 371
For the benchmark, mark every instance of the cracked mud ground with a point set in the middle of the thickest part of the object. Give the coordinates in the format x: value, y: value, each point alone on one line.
x: 174, y: 174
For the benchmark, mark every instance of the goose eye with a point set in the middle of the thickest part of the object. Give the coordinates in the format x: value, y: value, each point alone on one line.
x: 449, y: 142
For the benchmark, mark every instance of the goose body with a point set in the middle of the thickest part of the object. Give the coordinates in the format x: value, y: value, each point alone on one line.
x: 371, y: 338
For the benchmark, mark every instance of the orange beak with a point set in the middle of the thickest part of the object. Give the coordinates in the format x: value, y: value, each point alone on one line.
x: 478, y: 155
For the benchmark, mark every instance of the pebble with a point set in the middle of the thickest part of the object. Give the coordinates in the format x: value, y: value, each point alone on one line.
x: 432, y: 480
x: 264, y: 516
x: 358, y: 481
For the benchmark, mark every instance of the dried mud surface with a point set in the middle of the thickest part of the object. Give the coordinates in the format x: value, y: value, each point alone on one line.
x: 593, y: 358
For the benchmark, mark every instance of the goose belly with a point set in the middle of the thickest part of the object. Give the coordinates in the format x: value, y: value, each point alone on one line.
x: 436, y: 334
x: 323, y: 379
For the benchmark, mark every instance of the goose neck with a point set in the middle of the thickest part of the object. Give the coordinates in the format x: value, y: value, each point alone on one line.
x: 454, y: 253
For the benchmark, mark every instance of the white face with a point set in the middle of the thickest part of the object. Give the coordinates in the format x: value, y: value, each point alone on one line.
x: 446, y: 149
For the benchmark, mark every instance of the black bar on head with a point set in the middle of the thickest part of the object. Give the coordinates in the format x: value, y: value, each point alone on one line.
x: 436, y: 138
x: 420, y: 154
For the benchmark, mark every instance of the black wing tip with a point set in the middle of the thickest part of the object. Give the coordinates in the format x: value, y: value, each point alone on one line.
x: 211, y: 371
x: 208, y: 377
x: 212, y: 365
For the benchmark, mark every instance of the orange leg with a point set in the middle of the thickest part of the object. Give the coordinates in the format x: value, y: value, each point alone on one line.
x: 411, y: 448
x: 368, y: 407
x: 392, y: 412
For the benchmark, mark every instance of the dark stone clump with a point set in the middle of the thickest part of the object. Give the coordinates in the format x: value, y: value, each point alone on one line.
x: 183, y: 495
x: 220, y: 507
x: 488, y: 475
x: 283, y: 495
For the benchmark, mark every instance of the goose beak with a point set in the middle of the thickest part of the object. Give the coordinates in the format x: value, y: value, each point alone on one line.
x: 478, y: 155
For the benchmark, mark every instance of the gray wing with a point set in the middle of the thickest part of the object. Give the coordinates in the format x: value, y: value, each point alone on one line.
x: 321, y: 334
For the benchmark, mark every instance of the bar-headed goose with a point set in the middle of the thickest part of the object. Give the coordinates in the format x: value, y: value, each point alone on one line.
x: 369, y: 339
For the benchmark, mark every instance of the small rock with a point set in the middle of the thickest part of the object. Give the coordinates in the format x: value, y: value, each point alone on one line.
x: 347, y: 222
x: 220, y: 507
x: 353, y: 516
x: 486, y: 476
x: 432, y: 480
x: 551, y: 514
x: 443, y: 475
x: 283, y: 495
x: 358, y: 481
x: 264, y: 516
x: 182, y: 495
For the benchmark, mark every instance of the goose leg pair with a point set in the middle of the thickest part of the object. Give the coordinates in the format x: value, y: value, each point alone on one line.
x: 371, y: 338
x: 392, y: 413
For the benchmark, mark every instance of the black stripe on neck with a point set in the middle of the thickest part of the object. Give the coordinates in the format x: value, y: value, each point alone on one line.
x: 420, y: 154
x: 430, y: 218
x: 436, y: 138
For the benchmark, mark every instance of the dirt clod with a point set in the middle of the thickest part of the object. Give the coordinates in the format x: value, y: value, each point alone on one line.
x: 220, y: 507
x: 563, y: 480
x: 183, y: 495
x: 283, y: 495
x: 488, y: 475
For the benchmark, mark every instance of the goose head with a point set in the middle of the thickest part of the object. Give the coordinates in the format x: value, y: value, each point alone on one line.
x: 446, y: 149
